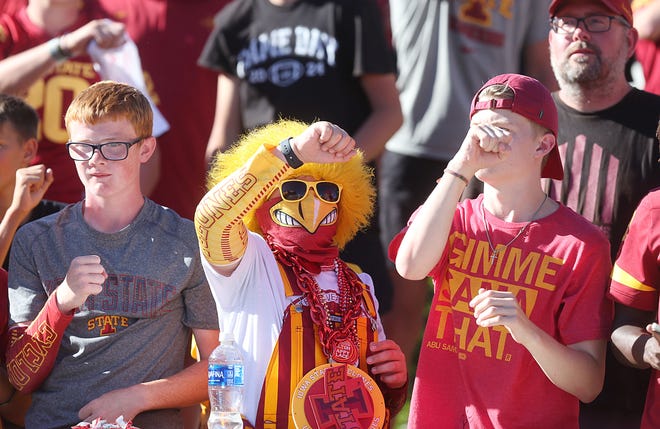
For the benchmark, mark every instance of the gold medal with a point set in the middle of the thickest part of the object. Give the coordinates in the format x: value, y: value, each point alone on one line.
x: 337, y: 396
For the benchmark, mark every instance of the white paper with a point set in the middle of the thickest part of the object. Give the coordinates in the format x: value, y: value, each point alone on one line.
x: 122, y: 64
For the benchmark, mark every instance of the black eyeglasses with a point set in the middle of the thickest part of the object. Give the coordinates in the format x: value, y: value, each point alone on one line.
x: 295, y: 190
x: 112, y: 151
x: 593, y: 23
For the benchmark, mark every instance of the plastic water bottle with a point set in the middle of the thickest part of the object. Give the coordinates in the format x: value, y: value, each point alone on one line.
x: 226, y: 384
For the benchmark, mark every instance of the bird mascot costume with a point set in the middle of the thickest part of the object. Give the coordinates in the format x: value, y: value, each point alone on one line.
x: 270, y: 230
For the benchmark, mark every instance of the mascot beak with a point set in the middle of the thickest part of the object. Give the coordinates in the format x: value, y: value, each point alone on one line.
x: 308, y: 213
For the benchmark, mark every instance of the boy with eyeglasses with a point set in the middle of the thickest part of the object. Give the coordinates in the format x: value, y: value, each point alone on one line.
x: 109, y: 290
x: 270, y: 229
x: 518, y: 325
x: 607, y: 140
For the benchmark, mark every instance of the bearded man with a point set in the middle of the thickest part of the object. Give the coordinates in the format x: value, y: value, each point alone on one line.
x: 606, y: 127
x: 609, y: 150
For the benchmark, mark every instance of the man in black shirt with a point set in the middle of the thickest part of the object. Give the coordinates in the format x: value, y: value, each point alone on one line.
x: 609, y: 150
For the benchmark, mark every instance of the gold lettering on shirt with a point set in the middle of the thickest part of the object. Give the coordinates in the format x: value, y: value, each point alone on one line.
x: 30, y: 358
x: 107, y: 324
x: 524, y: 273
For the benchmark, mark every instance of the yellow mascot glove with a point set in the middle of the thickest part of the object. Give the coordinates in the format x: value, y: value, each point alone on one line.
x: 219, y: 216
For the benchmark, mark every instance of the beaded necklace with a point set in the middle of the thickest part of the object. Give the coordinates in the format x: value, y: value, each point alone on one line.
x: 495, y: 252
x: 337, y: 335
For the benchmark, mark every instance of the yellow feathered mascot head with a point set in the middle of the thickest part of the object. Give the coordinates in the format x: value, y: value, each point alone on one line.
x: 358, y: 194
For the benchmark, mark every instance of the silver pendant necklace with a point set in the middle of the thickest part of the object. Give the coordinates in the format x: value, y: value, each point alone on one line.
x: 495, y: 252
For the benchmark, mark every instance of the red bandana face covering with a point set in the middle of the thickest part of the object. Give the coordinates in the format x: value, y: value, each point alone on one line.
x: 314, y: 251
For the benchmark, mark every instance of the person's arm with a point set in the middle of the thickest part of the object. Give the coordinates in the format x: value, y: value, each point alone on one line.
x: 18, y: 72
x: 31, y: 185
x: 388, y: 364
x: 27, y: 371
x: 221, y: 233
x: 14, y: 404
x: 578, y: 369
x: 187, y: 387
x: 227, y: 124
x: 85, y: 277
x: 7, y: 391
x: 647, y: 21
x: 633, y: 341
x: 426, y: 237
x: 385, y: 117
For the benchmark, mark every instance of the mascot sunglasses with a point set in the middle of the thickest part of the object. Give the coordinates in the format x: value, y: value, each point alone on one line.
x: 295, y: 190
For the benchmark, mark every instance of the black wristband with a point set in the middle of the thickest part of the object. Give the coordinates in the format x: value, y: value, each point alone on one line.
x: 56, y: 50
x: 289, y: 154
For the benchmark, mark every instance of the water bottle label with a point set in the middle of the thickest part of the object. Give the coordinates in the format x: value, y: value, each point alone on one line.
x: 225, y: 375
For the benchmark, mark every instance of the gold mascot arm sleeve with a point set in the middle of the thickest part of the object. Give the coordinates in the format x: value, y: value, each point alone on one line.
x: 221, y: 232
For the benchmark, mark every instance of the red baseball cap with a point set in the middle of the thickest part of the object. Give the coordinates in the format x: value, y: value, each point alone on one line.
x: 620, y: 7
x: 533, y: 101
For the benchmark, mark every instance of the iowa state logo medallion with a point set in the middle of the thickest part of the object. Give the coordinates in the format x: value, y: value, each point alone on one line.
x: 337, y: 396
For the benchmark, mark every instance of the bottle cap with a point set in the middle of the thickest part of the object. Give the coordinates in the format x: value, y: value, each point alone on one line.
x: 226, y: 336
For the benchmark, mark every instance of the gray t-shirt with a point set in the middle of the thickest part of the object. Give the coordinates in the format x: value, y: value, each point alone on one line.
x: 136, y: 330
x: 445, y: 51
